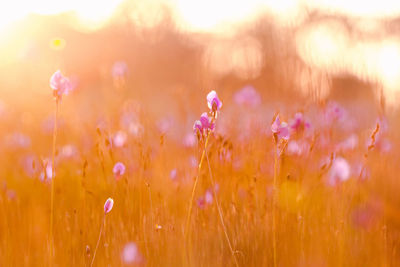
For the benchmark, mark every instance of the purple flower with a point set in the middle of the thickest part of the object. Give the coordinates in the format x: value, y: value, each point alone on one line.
x: 213, y: 102
x: 339, y: 171
x: 203, y: 125
x: 69, y: 151
x: 189, y: 140
x: 173, y: 174
x: 334, y: 112
x: 299, y: 123
x: 206, y: 122
x: 247, y: 96
x: 60, y: 84
x: 198, y: 127
x: 120, y: 138
x: 108, y: 205
x: 280, y: 129
x: 131, y: 254
x: 201, y: 203
x: 208, y: 197
x: 47, y: 171
x: 118, y: 170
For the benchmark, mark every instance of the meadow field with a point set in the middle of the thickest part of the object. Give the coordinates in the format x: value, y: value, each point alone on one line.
x: 149, y: 146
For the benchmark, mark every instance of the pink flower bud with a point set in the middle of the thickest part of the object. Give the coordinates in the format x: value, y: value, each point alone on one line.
x: 213, y: 102
x: 108, y: 205
x: 119, y: 170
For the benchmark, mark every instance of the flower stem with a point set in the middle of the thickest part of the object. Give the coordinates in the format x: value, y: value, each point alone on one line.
x: 187, y: 228
x: 274, y: 204
x: 219, y: 209
x: 52, y: 180
x: 98, y: 240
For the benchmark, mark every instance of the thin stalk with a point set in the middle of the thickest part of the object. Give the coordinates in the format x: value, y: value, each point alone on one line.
x: 52, y: 180
x: 193, y: 191
x: 274, y: 204
x: 219, y: 210
x: 98, y: 240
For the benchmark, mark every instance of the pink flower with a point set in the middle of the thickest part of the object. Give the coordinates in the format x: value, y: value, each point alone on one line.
x: 247, y: 96
x: 108, y: 205
x: 69, y: 151
x: 201, y: 203
x: 46, y: 172
x: 189, y: 140
x: 203, y: 125
x: 131, y: 254
x: 339, y: 171
x: 206, y: 122
x: 299, y: 123
x: 213, y: 102
x: 280, y: 129
x: 334, y: 112
x: 119, y: 170
x: 198, y: 127
x: 120, y: 138
x: 49, y: 170
x: 60, y: 84
x: 208, y: 197
x: 173, y: 174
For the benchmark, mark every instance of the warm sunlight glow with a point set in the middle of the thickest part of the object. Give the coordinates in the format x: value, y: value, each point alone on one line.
x: 323, y: 44
x: 89, y: 11
x: 358, y: 7
x: 197, y: 15
x: 200, y: 133
x: 209, y: 14
x: 389, y: 62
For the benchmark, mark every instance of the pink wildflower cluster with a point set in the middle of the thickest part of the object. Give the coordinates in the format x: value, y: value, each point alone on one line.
x: 206, y: 123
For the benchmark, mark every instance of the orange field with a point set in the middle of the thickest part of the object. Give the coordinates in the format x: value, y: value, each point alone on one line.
x: 133, y: 145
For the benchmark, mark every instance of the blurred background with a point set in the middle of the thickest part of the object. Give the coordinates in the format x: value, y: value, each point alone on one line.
x: 287, y: 49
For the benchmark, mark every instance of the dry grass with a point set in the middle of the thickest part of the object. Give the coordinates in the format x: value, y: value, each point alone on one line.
x: 315, y: 223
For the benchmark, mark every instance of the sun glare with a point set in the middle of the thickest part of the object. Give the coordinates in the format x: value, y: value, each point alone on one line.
x: 89, y: 12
